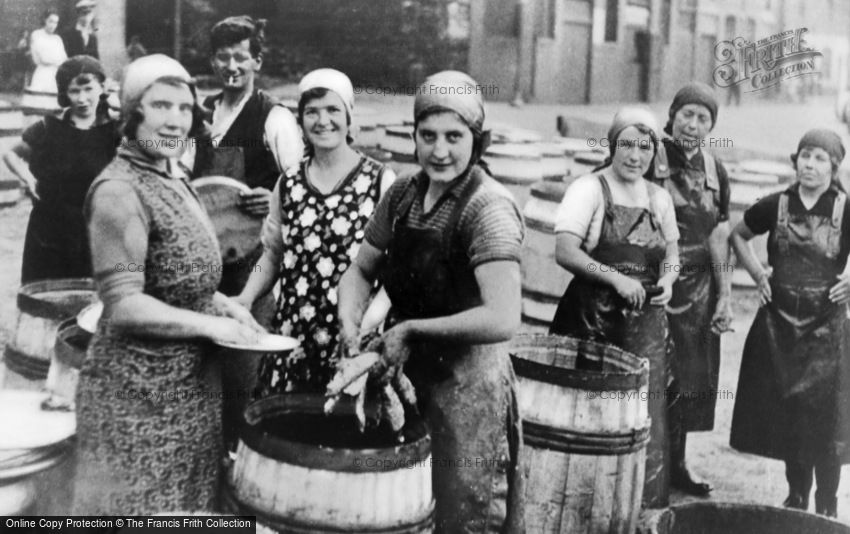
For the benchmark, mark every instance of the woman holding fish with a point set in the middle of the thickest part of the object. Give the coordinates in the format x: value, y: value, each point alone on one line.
x: 446, y: 243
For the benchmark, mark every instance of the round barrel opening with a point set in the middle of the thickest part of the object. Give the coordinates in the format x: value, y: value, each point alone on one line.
x: 730, y: 518
x: 294, y: 428
x: 553, y: 359
x: 72, y: 343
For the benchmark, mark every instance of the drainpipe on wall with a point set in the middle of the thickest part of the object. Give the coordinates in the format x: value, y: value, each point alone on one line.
x: 177, y: 23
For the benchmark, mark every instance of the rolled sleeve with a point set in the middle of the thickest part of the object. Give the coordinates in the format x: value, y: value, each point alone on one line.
x: 580, y: 211
x: 283, y: 137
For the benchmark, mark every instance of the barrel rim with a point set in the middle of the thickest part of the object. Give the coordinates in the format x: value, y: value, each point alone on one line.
x: 325, y: 458
x: 29, y: 303
x: 668, y: 515
x: 232, y: 502
x: 546, y: 190
x: 580, y: 379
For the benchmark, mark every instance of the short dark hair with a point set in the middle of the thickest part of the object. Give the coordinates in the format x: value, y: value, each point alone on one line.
x: 135, y: 116
x: 50, y: 11
x: 234, y: 30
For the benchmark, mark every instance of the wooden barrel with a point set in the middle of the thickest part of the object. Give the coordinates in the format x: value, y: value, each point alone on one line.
x: 368, y: 136
x: 574, y: 145
x: 42, y: 306
x: 782, y: 172
x: 584, y: 162
x: 16, y: 497
x: 507, y: 134
x: 517, y: 167
x: 585, y: 434
x: 299, y: 470
x: 398, y: 140
x: 734, y: 518
x: 68, y: 355
x: 37, y: 104
x: 11, y: 120
x: 554, y: 162
x: 543, y: 280
x: 10, y: 192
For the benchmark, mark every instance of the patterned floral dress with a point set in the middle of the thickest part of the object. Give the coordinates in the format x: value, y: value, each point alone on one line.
x: 321, y: 237
x: 149, y: 428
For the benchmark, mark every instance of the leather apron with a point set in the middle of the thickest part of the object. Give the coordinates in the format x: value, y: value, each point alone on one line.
x: 793, y: 376
x: 696, y: 357
x: 631, y: 242
x: 467, y: 393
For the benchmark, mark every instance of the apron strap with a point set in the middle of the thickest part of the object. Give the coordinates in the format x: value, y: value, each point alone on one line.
x: 469, y: 190
x: 607, y: 199
x: 408, y: 196
x: 782, y: 223
x: 712, y: 181
x: 834, y: 240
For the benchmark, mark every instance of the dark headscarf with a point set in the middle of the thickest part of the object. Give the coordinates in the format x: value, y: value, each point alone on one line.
x: 825, y: 139
x: 692, y: 93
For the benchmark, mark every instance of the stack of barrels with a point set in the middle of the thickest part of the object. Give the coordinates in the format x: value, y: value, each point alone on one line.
x: 749, y: 181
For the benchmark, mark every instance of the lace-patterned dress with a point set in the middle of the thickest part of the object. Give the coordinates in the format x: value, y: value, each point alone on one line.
x: 149, y: 436
x: 321, y: 235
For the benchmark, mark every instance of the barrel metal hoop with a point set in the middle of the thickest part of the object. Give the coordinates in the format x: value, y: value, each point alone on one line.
x: 534, y: 321
x: 572, y: 378
x: 26, y: 365
x: 571, y: 442
x: 29, y: 303
x: 290, y: 525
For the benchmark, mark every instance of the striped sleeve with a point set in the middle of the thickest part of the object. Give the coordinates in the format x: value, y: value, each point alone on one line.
x: 379, y: 229
x: 495, y: 229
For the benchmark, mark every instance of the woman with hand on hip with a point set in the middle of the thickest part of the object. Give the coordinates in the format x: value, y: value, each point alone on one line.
x: 447, y: 243
x: 616, y: 232
x: 793, y: 397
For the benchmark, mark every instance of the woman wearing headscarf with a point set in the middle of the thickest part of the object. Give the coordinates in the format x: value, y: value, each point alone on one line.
x: 793, y: 397
x: 64, y: 155
x: 446, y: 242
x: 319, y: 211
x: 616, y: 232
x: 148, y: 423
x: 700, y: 309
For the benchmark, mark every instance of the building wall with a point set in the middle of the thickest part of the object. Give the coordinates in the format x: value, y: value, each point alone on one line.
x: 492, y: 48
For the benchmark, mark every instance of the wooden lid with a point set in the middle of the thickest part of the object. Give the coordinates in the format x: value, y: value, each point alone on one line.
x: 514, y: 151
x: 25, y: 425
x: 763, y: 166
x: 238, y: 232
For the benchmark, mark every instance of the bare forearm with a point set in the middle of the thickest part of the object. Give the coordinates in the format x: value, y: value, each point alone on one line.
x: 145, y: 316
x: 20, y: 168
x: 262, y: 278
x: 474, y: 326
x: 746, y: 256
x: 353, y: 297
x: 670, y: 267
x: 718, y: 247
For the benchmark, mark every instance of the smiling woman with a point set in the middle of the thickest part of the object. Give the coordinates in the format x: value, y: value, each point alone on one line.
x: 150, y: 456
x: 614, y: 231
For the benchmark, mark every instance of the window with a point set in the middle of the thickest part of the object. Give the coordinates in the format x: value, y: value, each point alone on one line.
x: 611, y: 20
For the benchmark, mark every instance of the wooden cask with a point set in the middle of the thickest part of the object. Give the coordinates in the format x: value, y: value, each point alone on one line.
x: 585, y: 434
x: 42, y: 306
x: 299, y: 470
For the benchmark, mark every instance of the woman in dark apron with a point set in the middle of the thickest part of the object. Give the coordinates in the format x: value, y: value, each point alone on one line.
x: 700, y: 308
x: 617, y: 233
x: 65, y: 155
x: 793, y: 397
x: 448, y: 243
